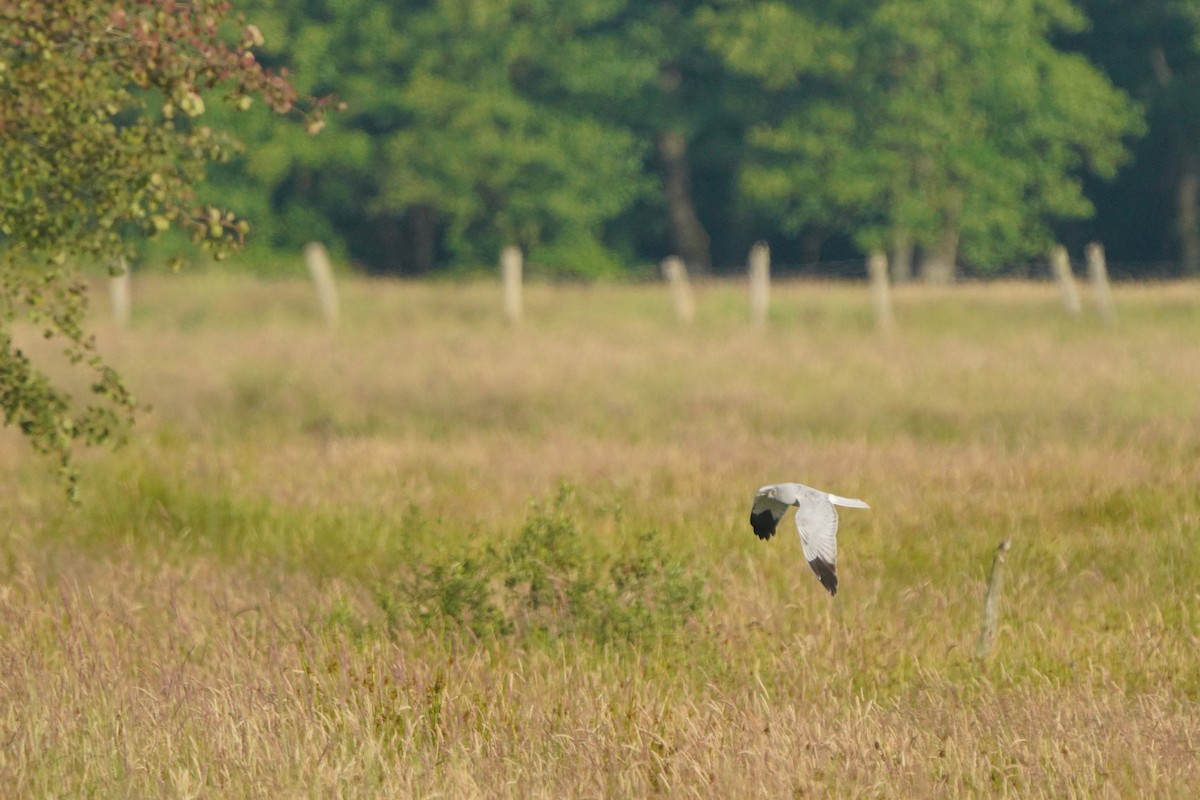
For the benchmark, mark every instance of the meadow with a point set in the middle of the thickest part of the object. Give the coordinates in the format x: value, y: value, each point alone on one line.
x: 432, y: 554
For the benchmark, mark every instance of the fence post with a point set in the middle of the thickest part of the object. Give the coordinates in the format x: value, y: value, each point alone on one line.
x: 322, y: 277
x: 1098, y: 275
x: 760, y: 283
x: 119, y: 293
x: 991, y: 602
x: 881, y: 292
x: 1061, y: 265
x: 676, y: 274
x: 511, y: 266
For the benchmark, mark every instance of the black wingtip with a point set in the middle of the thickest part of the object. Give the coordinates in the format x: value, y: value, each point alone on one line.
x: 764, y: 524
x: 827, y: 573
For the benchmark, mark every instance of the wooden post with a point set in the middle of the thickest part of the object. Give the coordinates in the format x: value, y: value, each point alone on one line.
x: 1061, y: 265
x: 881, y: 292
x: 119, y: 293
x: 1098, y: 276
x: 991, y: 602
x: 681, y: 291
x: 760, y: 283
x: 322, y: 277
x: 511, y: 266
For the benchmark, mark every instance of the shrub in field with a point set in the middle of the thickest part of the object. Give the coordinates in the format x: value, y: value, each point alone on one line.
x: 457, y: 592
x: 547, y: 584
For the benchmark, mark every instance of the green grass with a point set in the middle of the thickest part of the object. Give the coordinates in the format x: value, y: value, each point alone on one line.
x: 434, y: 554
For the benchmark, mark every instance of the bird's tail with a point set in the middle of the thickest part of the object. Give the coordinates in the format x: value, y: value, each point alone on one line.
x: 848, y: 502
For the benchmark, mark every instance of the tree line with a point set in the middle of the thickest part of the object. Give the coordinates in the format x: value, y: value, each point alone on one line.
x: 599, y: 134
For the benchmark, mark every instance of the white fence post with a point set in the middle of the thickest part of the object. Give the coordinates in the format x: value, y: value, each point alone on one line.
x: 676, y: 274
x: 322, y: 277
x: 881, y: 292
x: 1098, y: 275
x: 120, y: 294
x: 510, y: 268
x: 760, y: 283
x: 1061, y: 265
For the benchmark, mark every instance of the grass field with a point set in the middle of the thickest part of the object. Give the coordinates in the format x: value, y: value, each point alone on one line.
x: 434, y: 555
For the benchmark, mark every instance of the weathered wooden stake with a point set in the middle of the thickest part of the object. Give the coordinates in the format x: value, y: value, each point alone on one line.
x: 760, y: 283
x: 991, y: 602
x: 881, y: 291
x: 322, y: 277
x: 511, y: 266
x: 1098, y: 275
x: 120, y: 294
x: 1061, y: 265
x: 681, y: 291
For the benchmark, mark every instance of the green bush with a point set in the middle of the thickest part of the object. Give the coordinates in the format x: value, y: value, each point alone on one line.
x: 548, y: 584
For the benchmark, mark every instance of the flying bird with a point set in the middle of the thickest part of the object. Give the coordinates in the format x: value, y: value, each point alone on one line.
x: 816, y: 519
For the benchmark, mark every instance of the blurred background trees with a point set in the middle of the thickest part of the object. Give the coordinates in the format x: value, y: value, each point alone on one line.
x: 603, y: 134
x: 939, y: 126
x: 1152, y: 52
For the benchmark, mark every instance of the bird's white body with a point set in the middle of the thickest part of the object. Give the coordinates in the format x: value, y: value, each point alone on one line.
x: 816, y: 520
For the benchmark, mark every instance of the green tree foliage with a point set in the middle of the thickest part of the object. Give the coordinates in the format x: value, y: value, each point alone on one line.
x: 930, y: 119
x: 487, y: 147
x: 297, y: 187
x: 1152, y: 51
x: 605, y: 131
x: 577, y: 130
x: 647, y: 67
x: 457, y: 119
x: 102, y: 139
x: 478, y: 123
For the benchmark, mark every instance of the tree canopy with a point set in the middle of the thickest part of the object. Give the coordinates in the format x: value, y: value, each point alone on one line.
x: 610, y: 132
x: 925, y: 122
x: 102, y: 141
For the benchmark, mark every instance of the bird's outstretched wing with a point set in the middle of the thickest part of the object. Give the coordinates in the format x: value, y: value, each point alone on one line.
x: 817, y: 521
x: 765, y: 514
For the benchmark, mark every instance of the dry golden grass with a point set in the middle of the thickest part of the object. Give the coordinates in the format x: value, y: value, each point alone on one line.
x: 210, y: 621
